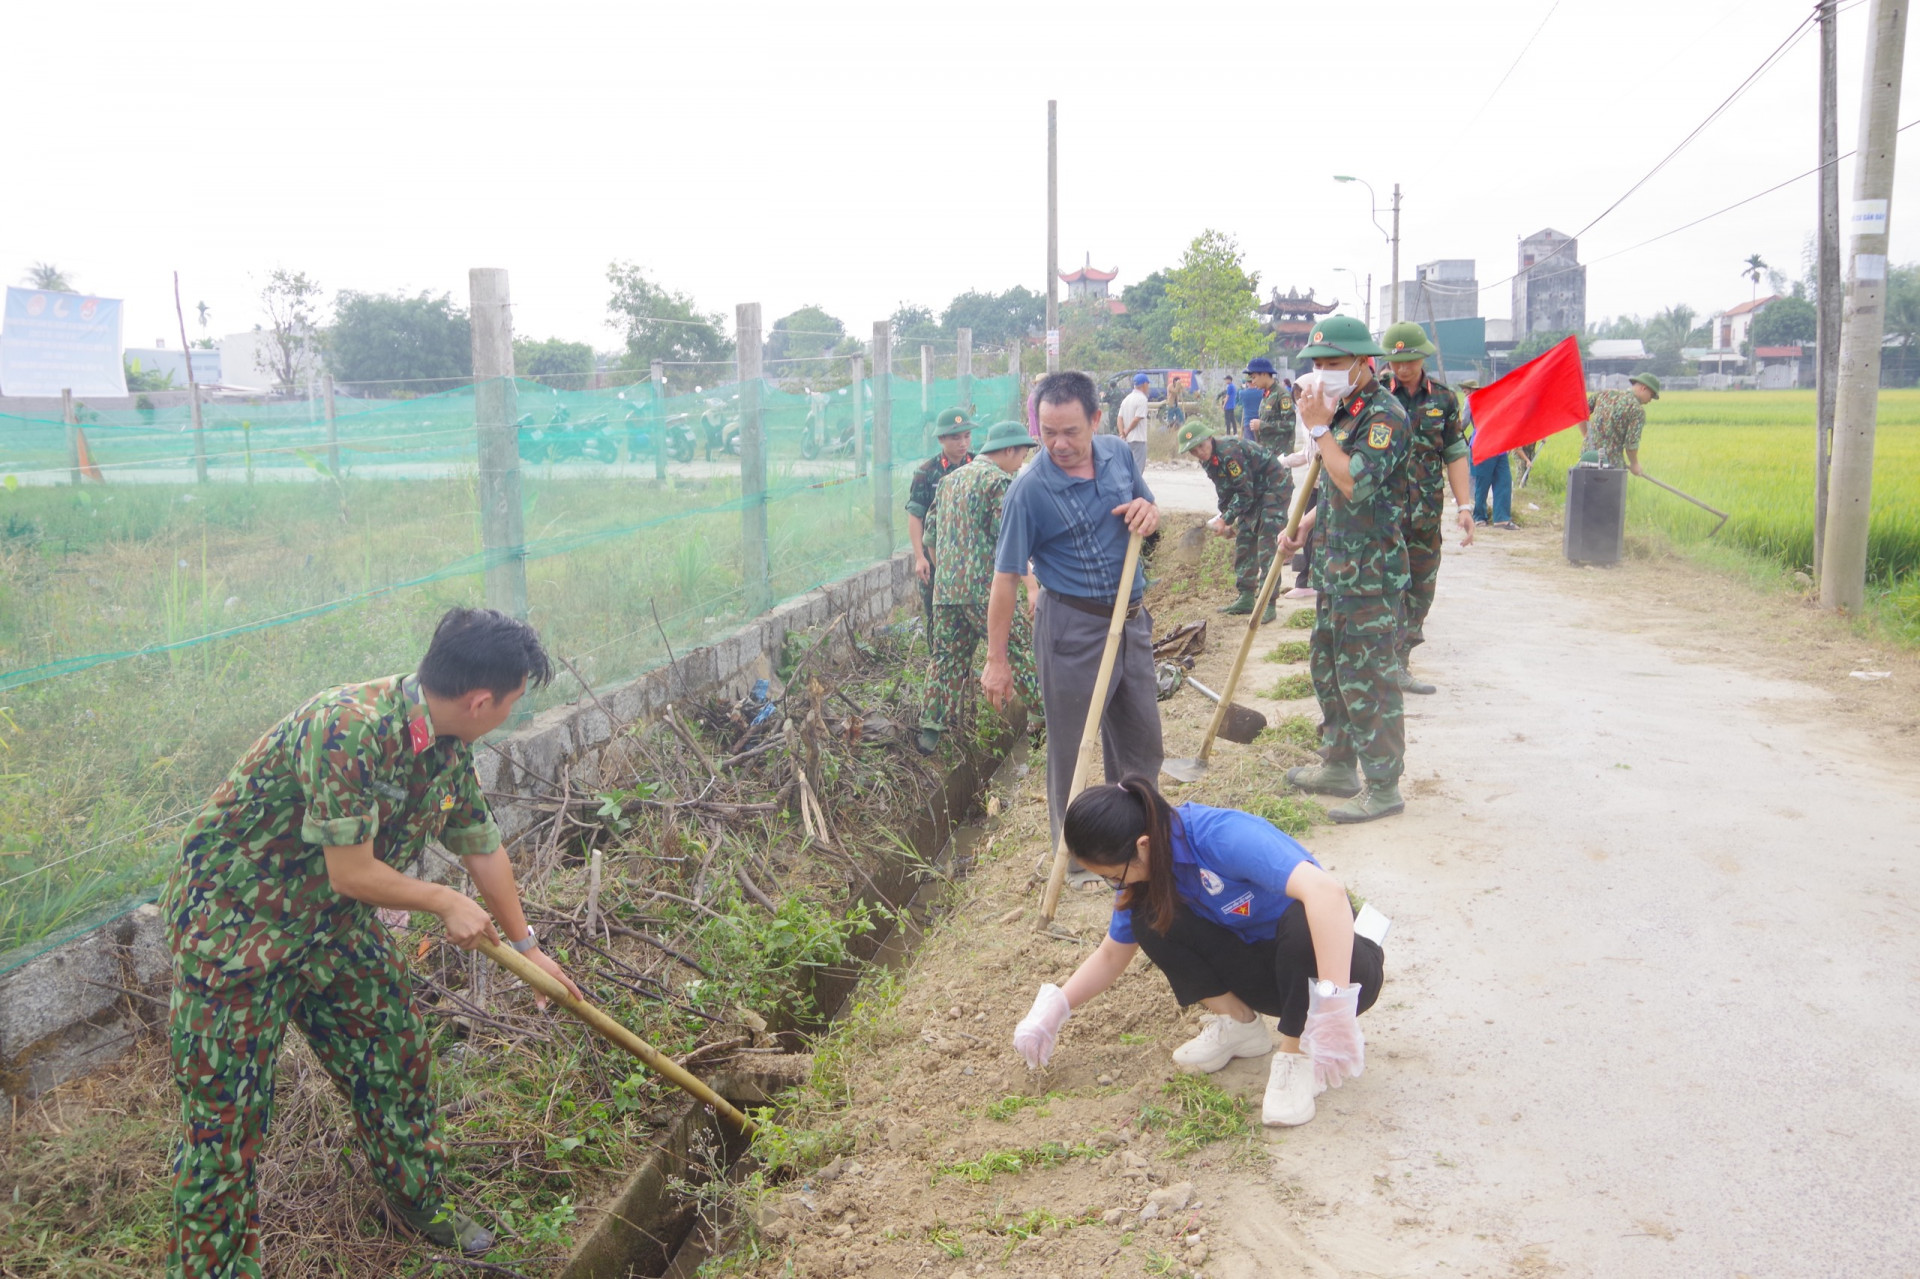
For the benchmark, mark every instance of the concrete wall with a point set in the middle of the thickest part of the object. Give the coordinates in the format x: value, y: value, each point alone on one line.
x: 83, y: 1004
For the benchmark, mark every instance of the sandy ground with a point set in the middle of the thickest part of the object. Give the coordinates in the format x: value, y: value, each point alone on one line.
x: 1652, y: 1002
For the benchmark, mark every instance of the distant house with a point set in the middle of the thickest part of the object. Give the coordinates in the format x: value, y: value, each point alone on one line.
x: 1550, y: 286
x: 1777, y: 368
x: 1731, y: 328
x: 1616, y: 355
x: 1090, y: 283
x: 1440, y: 290
x: 162, y: 359
x: 247, y: 361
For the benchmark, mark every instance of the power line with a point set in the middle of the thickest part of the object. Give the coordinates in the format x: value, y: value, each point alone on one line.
x: 1516, y: 62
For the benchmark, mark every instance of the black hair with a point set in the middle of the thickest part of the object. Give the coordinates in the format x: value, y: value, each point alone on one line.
x: 1103, y: 828
x: 482, y: 648
x: 1069, y: 388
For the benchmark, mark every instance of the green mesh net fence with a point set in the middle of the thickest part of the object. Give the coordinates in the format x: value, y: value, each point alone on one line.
x: 153, y: 624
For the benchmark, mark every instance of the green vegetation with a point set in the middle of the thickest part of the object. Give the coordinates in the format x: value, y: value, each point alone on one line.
x: 995, y: 1162
x: 1301, y: 619
x: 1007, y: 1107
x: 1294, y: 814
x: 1288, y: 651
x: 1197, y: 1112
x: 1294, y: 730
x: 1290, y: 688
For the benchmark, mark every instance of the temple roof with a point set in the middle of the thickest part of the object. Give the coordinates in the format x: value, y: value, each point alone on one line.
x: 1089, y: 272
x: 1294, y: 304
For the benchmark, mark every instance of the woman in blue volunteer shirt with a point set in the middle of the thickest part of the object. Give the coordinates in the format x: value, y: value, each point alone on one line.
x: 1242, y: 920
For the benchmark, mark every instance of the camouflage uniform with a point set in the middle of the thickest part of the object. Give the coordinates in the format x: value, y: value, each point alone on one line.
x: 1437, y: 439
x: 920, y: 494
x: 968, y: 508
x: 1360, y: 572
x: 1254, y: 491
x: 261, y: 939
x: 1274, y: 431
x: 1614, y: 422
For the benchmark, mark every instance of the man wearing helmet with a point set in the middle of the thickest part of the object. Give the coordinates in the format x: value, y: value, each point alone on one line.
x: 1359, y: 431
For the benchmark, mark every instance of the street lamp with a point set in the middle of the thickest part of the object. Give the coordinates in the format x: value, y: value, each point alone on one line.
x: 1366, y: 294
x: 1393, y: 239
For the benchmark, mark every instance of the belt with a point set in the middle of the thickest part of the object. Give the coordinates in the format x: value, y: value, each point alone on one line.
x: 1099, y: 608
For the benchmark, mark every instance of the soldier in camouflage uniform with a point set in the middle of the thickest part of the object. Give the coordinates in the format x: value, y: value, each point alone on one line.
x: 955, y: 430
x: 1436, y: 460
x: 1253, y: 491
x: 1360, y: 572
x: 1615, y: 420
x: 270, y: 919
x: 1274, y: 431
x: 966, y: 509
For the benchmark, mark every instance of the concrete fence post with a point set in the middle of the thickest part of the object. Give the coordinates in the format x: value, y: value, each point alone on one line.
x: 883, y: 438
x: 755, y: 570
x: 496, y: 409
x: 657, y: 379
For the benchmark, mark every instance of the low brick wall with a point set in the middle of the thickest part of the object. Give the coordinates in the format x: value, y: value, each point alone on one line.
x: 81, y: 1005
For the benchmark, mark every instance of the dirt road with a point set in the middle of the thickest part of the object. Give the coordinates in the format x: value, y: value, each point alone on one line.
x: 1653, y: 989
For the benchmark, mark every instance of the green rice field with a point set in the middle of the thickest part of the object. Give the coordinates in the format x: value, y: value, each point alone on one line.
x: 1750, y: 453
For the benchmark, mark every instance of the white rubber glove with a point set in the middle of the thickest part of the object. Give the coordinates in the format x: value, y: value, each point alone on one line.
x: 1040, y: 1028
x: 1332, y: 1036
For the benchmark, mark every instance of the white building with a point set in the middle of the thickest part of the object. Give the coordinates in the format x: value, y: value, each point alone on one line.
x: 250, y: 360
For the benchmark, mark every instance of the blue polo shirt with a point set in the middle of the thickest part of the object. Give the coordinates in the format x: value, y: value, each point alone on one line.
x: 1250, y: 398
x: 1065, y: 526
x: 1229, y: 867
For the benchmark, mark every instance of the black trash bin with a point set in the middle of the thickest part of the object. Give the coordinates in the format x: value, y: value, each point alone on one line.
x: 1596, y: 514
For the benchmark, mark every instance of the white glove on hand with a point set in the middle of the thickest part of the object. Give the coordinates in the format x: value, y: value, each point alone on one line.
x: 1332, y: 1036
x: 1040, y: 1028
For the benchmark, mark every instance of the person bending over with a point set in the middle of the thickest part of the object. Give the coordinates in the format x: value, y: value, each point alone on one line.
x: 1242, y: 920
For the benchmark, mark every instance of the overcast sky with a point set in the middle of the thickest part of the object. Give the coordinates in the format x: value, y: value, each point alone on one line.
x: 859, y: 155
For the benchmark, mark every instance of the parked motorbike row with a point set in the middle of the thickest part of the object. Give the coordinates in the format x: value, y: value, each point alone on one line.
x: 715, y: 430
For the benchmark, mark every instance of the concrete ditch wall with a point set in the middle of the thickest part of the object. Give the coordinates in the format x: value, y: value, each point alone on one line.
x: 83, y: 1004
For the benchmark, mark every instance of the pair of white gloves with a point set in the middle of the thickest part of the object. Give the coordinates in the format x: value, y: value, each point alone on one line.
x: 1332, y: 1037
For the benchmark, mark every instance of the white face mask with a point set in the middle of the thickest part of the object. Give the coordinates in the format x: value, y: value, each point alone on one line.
x: 1335, y: 382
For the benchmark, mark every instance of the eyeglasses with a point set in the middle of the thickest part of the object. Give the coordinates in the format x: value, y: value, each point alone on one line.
x: 1118, y: 882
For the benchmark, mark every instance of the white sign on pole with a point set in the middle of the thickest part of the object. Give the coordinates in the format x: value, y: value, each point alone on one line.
x: 54, y: 342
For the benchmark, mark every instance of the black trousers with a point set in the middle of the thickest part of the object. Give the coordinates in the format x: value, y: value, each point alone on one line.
x: 1202, y: 959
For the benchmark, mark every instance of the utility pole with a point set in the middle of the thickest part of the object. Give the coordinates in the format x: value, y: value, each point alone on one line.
x: 883, y: 439
x: 1827, y: 281
x: 496, y: 408
x: 1396, y: 254
x: 1843, y: 578
x: 1053, y: 237
x: 753, y: 461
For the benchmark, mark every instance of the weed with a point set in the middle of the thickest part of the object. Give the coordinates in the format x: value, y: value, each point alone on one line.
x: 1201, y: 1113
x: 768, y: 962
x: 995, y: 1162
x: 1131, y: 1037
x: 1289, y: 651
x: 1301, y: 619
x: 1294, y: 730
x: 1294, y: 814
x: 1007, y: 1107
x: 947, y: 1240
x: 1290, y: 688
x: 1161, y: 1263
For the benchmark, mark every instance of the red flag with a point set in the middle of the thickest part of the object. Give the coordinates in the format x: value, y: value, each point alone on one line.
x: 1546, y: 394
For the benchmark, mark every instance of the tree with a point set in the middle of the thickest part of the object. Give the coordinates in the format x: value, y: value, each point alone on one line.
x: 416, y: 343
x: 659, y: 324
x: 1787, y: 322
x: 292, y: 301
x: 1668, y: 335
x: 1539, y: 343
x: 1754, y: 269
x: 1619, y: 326
x: 996, y: 318
x: 1212, y: 296
x: 562, y: 365
x: 913, y: 325
x: 139, y: 379
x: 45, y: 275
x: 1151, y: 315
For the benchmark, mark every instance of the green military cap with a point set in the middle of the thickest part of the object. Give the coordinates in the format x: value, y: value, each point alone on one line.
x: 1406, y: 341
x: 952, y: 422
x: 1340, y: 335
x: 1007, y: 435
x: 1649, y: 381
x: 1469, y: 385
x: 1191, y: 434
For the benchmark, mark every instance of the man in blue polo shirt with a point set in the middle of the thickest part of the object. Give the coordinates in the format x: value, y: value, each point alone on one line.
x: 1068, y: 515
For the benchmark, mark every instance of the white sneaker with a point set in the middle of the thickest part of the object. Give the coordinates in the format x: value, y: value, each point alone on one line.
x: 1220, y: 1040
x: 1290, y: 1091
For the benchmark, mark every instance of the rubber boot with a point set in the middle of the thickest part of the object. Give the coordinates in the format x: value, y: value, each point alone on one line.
x: 1273, y: 611
x: 444, y: 1226
x: 1379, y: 799
x: 928, y: 741
x: 1242, y: 604
x: 1408, y: 684
x: 1325, y: 779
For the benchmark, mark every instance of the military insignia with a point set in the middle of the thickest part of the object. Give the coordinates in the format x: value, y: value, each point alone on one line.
x: 1399, y: 346
x: 1379, y: 435
x: 1233, y: 470
x: 1435, y: 413
x: 446, y: 803
x: 1285, y: 403
x: 1316, y: 337
x: 1212, y: 882
x: 1241, y: 906
x: 417, y: 734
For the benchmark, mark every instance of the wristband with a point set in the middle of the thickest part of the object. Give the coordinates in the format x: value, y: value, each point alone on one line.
x: 526, y: 943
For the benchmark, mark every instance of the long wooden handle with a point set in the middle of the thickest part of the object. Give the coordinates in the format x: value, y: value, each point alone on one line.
x: 1294, y: 515
x: 1690, y: 498
x: 1090, y: 734
x: 613, y: 1032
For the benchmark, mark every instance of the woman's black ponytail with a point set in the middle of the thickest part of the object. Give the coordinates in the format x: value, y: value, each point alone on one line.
x: 1103, y: 827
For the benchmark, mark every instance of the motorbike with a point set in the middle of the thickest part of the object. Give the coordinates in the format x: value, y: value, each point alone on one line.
x: 722, y: 432
x: 678, y: 428
x: 821, y: 437
x: 561, y: 438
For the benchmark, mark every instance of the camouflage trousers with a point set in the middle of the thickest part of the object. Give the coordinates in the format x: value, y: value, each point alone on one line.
x: 1255, y: 539
x: 1351, y: 655
x: 957, y: 632
x: 1423, y: 572
x: 1274, y: 437
x: 351, y: 997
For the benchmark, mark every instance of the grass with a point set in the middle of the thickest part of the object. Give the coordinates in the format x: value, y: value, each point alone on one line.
x: 1007, y: 1107
x: 1294, y: 730
x: 994, y: 1163
x: 1751, y: 454
x: 1288, y: 651
x: 1197, y: 1112
x: 1293, y: 814
x: 1290, y: 688
x: 1300, y: 619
